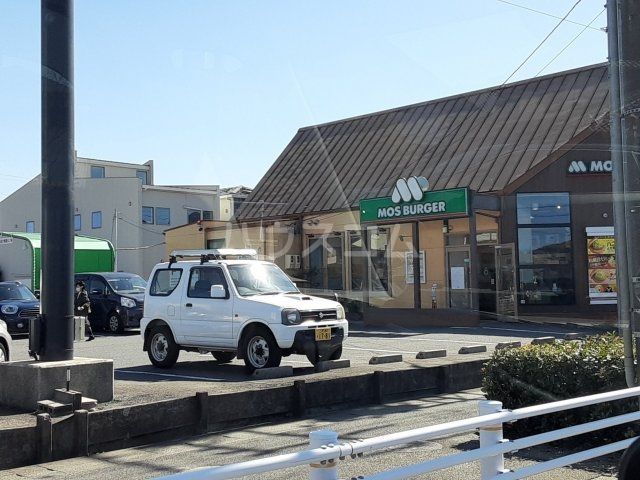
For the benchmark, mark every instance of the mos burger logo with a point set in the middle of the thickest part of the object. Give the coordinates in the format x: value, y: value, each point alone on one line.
x: 594, y: 166
x: 411, y: 189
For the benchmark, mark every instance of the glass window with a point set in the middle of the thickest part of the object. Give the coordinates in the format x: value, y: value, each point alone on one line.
x: 97, y: 172
x: 163, y: 216
x: 207, y: 215
x: 77, y: 222
x: 260, y: 279
x: 193, y: 215
x: 97, y: 286
x: 316, y: 263
x: 13, y: 291
x: 142, y: 175
x: 147, y: 215
x: 547, y: 285
x: 544, y: 246
x: 543, y: 208
x: 201, y: 280
x: 379, y: 250
x: 128, y: 284
x: 358, y: 261
x: 30, y: 227
x: 335, y: 260
x: 96, y: 220
x: 165, y: 282
x: 215, y: 243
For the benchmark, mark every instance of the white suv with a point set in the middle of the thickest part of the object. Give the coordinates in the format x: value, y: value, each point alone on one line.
x: 230, y: 304
x: 5, y: 342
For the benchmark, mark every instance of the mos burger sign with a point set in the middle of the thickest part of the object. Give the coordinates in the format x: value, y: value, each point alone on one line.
x: 579, y: 167
x: 410, y: 198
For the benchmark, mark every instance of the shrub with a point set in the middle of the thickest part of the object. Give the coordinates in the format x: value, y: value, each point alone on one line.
x: 534, y: 374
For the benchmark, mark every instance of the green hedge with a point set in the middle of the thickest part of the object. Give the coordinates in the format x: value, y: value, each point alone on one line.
x: 535, y: 374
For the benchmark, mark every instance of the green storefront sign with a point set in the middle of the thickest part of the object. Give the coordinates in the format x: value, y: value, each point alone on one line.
x: 439, y: 203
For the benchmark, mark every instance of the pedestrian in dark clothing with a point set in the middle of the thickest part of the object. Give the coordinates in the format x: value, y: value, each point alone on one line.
x: 82, y: 307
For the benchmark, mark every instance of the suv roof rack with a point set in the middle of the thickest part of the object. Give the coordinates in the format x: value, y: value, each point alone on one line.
x: 214, y: 254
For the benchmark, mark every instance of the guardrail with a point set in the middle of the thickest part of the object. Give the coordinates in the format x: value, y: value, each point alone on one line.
x: 326, y: 451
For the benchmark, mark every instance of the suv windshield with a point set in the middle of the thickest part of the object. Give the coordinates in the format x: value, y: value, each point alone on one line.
x: 16, y: 292
x: 260, y: 279
x: 128, y: 284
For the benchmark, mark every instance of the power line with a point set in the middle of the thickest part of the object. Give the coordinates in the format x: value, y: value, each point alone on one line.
x: 138, y: 226
x: 571, y: 42
x: 542, y: 42
x: 549, y: 15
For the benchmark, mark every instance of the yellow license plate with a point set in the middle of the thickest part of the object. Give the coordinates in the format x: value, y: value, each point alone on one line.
x: 323, y: 334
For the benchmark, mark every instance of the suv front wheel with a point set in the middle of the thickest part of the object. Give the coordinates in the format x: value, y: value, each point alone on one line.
x: 260, y: 349
x: 162, y: 349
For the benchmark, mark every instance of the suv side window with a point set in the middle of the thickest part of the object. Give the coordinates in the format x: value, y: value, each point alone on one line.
x: 201, y: 280
x: 96, y: 283
x: 165, y: 282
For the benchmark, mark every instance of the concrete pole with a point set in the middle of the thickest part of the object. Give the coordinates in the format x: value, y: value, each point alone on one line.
x: 326, y: 470
x: 417, y: 293
x: 490, y: 467
x: 617, y: 185
x: 57, y: 179
x: 629, y: 59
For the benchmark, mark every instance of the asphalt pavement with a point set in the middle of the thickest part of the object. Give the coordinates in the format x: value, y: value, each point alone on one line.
x: 137, y: 381
x: 270, y: 439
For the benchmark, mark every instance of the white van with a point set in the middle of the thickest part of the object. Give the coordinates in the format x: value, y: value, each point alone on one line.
x: 230, y: 304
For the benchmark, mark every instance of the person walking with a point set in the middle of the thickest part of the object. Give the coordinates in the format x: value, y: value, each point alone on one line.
x: 82, y: 307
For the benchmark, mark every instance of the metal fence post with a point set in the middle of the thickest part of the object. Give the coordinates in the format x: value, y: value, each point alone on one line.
x: 325, y: 470
x: 491, y: 435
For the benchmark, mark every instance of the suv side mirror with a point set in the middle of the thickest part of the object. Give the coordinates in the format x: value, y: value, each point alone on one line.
x: 218, y: 291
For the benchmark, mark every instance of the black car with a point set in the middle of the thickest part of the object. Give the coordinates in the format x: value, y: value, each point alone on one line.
x: 117, y: 299
x: 18, y: 305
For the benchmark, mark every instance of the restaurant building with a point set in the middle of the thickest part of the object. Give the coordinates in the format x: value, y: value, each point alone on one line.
x: 493, y: 203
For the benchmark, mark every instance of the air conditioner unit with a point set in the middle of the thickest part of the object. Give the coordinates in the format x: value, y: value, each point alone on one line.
x: 292, y: 262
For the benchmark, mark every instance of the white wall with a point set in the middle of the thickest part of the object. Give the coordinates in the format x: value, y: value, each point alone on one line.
x: 16, y: 262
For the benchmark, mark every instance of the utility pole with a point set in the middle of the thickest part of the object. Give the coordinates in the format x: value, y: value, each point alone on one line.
x: 617, y: 184
x: 57, y: 180
x: 629, y: 62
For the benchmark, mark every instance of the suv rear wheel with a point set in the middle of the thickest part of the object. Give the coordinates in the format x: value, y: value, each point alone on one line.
x: 260, y: 349
x: 162, y: 350
x: 223, y: 357
x: 4, y: 354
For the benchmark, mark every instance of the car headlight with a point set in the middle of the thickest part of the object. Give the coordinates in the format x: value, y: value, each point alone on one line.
x: 127, y: 302
x: 9, y: 309
x: 291, y: 316
x: 341, y: 313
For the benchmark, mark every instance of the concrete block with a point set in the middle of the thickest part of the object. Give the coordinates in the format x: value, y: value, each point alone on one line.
x: 332, y: 365
x: 504, y: 345
x: 275, y: 372
x: 431, y: 354
x: 573, y: 336
x: 472, y: 349
x: 385, y: 359
x: 543, y: 340
x: 25, y: 383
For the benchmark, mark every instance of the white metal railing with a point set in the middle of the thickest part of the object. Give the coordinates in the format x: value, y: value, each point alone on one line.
x: 326, y: 451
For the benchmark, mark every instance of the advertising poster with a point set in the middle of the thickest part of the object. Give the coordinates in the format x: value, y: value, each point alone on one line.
x: 601, y: 258
x: 408, y: 268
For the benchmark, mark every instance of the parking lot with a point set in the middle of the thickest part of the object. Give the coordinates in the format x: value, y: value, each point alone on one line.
x: 138, y: 381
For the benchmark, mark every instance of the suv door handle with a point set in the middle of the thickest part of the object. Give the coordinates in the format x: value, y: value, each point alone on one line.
x: 188, y: 305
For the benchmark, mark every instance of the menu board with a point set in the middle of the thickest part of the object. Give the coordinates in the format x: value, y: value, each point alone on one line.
x: 408, y: 268
x: 601, y: 258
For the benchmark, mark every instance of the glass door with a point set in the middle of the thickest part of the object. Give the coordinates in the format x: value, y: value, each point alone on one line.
x: 506, y: 304
x: 458, y: 275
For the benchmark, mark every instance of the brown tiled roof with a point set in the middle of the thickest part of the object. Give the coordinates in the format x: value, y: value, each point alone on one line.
x: 483, y: 140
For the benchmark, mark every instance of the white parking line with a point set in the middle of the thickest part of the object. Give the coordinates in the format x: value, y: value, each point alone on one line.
x: 467, y: 342
x: 378, y: 350
x: 522, y: 330
x: 171, y: 375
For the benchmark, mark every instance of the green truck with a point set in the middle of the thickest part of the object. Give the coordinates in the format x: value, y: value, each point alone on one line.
x: 20, y: 255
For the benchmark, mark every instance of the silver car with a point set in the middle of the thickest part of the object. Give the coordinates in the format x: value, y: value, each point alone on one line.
x: 5, y: 343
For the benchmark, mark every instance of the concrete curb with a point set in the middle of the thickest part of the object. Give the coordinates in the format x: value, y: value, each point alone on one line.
x: 543, y: 340
x: 385, y: 359
x: 472, y: 349
x: 573, y: 336
x: 431, y: 354
x: 503, y: 345
x: 105, y: 430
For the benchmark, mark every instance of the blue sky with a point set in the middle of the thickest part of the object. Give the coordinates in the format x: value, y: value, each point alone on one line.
x: 213, y: 91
